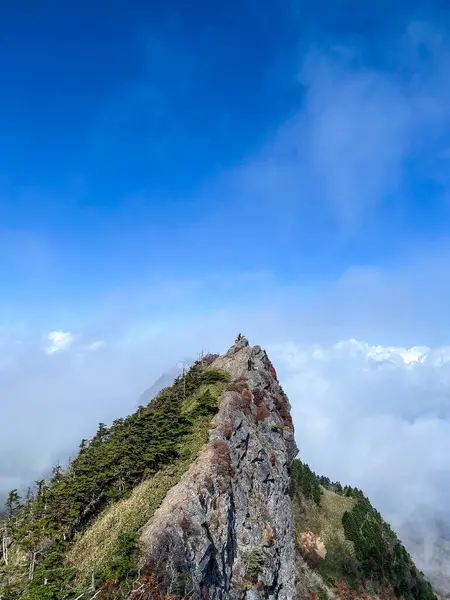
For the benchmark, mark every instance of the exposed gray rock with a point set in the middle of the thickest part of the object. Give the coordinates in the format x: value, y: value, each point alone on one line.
x: 228, y: 522
x: 252, y: 595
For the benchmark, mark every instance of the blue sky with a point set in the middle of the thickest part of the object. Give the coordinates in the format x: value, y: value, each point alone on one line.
x: 140, y: 143
x: 172, y: 173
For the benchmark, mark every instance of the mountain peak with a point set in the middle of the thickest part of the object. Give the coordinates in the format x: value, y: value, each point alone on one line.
x: 197, y: 496
x: 230, y: 517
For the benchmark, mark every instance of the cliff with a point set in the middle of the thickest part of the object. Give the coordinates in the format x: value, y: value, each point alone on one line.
x: 228, y: 522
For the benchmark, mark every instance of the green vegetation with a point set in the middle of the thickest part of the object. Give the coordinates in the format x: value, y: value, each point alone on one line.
x: 319, y: 510
x: 304, y: 482
x: 380, y: 554
x: 253, y: 561
x: 337, y: 488
x: 361, y: 547
x: 132, y: 464
x: 93, y: 551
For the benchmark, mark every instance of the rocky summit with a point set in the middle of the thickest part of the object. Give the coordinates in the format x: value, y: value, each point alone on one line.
x: 198, y: 495
x: 230, y: 514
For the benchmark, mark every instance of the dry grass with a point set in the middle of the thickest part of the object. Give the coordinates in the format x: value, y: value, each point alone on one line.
x: 16, y: 572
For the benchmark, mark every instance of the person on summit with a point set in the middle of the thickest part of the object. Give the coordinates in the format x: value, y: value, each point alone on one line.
x: 241, y: 338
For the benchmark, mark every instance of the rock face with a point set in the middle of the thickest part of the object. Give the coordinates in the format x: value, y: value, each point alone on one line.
x: 228, y: 522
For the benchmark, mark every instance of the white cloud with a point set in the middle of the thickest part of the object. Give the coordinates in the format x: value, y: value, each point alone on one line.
x: 60, y: 340
x: 373, y: 416
x: 415, y: 354
x: 63, y: 340
x: 344, y: 158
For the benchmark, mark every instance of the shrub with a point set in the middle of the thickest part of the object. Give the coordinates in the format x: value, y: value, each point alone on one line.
x: 215, y: 376
x: 259, y: 396
x: 124, y: 561
x: 209, y: 358
x: 206, y: 405
x: 247, y: 395
x: 253, y: 561
x: 288, y: 422
x: 322, y: 593
x: 238, y: 385
x: 221, y: 457
x: 262, y: 412
x: 283, y: 409
x: 167, y: 568
x: 238, y: 402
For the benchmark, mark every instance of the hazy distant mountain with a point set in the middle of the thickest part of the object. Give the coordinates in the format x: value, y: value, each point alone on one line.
x: 163, y: 381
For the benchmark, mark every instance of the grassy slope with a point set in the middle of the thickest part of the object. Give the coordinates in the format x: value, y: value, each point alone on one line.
x: 100, y: 543
x: 324, y: 512
x: 325, y: 521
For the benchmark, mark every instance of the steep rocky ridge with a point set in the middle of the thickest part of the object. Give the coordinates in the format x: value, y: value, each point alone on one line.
x: 230, y: 516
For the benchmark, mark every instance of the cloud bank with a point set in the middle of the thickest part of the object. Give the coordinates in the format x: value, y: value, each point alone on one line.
x: 375, y: 417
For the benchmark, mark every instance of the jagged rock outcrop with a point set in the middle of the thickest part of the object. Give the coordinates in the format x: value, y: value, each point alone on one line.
x: 228, y: 522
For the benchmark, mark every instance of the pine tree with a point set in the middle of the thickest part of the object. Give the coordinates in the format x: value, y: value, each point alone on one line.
x: 13, y: 502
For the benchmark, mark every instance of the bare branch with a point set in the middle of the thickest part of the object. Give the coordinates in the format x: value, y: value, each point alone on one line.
x: 5, y: 548
x: 81, y: 595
